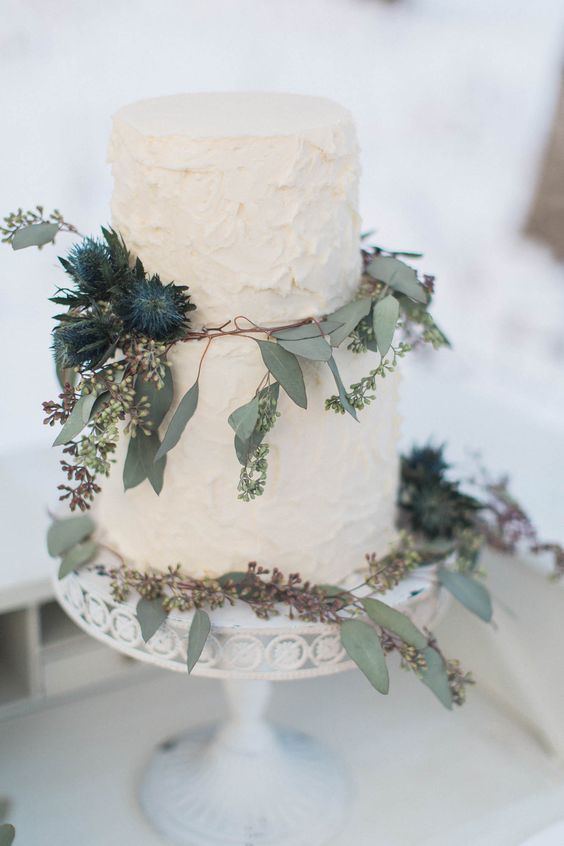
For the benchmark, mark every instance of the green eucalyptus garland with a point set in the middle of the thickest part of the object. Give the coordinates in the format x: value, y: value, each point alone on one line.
x: 473, y: 512
x: 111, y: 349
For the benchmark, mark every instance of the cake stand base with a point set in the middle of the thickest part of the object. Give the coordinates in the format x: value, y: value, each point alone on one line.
x: 245, y: 782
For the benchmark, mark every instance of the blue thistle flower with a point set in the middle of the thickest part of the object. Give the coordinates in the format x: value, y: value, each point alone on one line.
x: 84, y: 341
x: 427, y: 461
x: 436, y: 506
x: 89, y: 264
x: 157, y: 311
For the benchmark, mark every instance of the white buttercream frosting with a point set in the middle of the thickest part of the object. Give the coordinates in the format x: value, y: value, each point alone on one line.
x: 251, y: 200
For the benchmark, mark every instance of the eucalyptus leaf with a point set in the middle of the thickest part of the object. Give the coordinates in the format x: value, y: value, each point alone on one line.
x: 333, y: 591
x: 235, y: 576
x: 77, y: 420
x: 470, y: 592
x: 151, y: 616
x: 349, y: 316
x: 66, y: 533
x: 64, y: 375
x: 395, y: 622
x: 308, y: 330
x: 246, y: 442
x: 362, y: 644
x: 185, y: 411
x: 140, y: 463
x: 399, y: 276
x: 341, y: 388
x: 435, y: 676
x: 7, y: 834
x: 243, y: 449
x: 101, y: 400
x: 286, y: 369
x: 316, y: 349
x: 243, y: 420
x: 35, y: 235
x: 80, y: 554
x: 159, y: 399
x: 156, y: 471
x: 385, y: 318
x: 197, y: 636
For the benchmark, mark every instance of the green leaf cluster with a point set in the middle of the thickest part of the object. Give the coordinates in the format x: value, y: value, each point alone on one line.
x: 371, y: 323
x: 366, y: 644
x: 398, y: 276
x: 71, y: 540
x: 285, y: 368
x: 141, y: 461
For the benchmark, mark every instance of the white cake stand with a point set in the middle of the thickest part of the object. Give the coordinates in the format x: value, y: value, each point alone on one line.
x: 245, y: 782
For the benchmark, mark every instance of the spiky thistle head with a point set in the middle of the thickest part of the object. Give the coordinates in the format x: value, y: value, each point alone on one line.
x: 148, y: 307
x: 84, y: 340
x: 89, y: 264
x: 426, y: 462
x: 433, y: 504
x: 97, y: 267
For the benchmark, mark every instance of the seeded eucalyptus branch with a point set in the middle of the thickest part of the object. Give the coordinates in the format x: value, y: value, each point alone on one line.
x: 397, y: 303
x: 251, y: 451
x: 264, y: 592
x: 33, y: 228
x: 370, y: 630
x: 362, y: 393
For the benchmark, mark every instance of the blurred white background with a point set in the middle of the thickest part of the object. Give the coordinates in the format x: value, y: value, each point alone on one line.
x: 453, y: 100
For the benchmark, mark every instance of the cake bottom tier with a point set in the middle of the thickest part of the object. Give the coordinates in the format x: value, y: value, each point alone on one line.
x: 331, y: 489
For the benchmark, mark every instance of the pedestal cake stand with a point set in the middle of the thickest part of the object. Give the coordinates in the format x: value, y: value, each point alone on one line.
x: 245, y: 782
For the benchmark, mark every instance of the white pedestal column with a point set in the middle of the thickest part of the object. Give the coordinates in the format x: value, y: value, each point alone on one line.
x: 245, y: 782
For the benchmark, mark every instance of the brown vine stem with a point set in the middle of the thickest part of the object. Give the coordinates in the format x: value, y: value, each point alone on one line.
x: 202, y: 358
x: 263, y: 382
x: 113, y: 552
x: 254, y: 329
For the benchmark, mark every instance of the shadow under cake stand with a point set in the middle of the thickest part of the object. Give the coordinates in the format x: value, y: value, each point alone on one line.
x: 245, y: 782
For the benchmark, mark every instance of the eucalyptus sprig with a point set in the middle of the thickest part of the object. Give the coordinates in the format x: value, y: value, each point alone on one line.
x: 33, y: 228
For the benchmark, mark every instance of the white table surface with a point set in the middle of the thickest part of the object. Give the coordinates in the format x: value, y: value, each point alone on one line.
x: 424, y: 776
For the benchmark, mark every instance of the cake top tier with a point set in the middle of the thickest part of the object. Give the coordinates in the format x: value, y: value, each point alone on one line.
x: 248, y: 198
x: 231, y: 114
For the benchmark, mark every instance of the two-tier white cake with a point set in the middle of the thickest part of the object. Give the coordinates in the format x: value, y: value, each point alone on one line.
x: 251, y: 200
